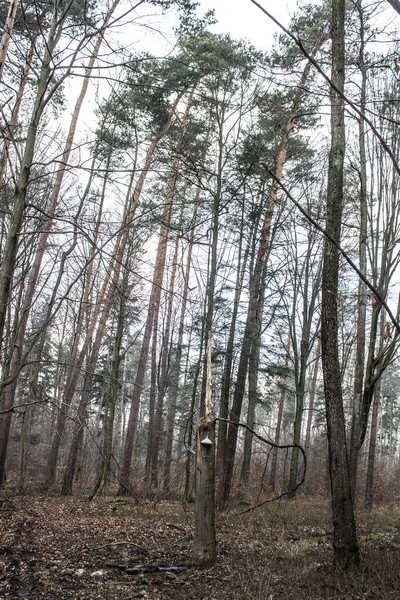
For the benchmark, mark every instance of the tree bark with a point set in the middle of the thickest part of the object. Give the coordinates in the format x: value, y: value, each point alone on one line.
x: 362, y: 290
x: 314, y: 379
x: 205, y: 547
x: 15, y: 112
x: 345, y: 544
x: 5, y: 38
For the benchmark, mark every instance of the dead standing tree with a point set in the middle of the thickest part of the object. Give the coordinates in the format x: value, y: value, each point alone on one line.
x: 205, y: 548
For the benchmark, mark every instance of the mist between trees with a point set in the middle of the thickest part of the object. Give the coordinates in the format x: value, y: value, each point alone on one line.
x: 166, y: 233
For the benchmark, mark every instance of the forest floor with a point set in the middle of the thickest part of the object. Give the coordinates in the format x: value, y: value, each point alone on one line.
x: 57, y: 548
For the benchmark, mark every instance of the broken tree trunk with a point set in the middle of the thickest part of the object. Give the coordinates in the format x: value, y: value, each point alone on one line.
x: 204, y: 551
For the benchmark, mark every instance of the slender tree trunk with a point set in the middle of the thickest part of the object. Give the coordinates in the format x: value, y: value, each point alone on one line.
x: 314, y: 379
x: 27, y: 418
x: 155, y: 430
x: 253, y: 368
x: 173, y: 393
x: 272, y: 477
x: 5, y: 38
x: 111, y: 279
x: 81, y: 418
x: 75, y: 361
x: 362, y: 295
x: 189, y: 435
x: 15, y: 113
x: 11, y: 243
x: 154, y: 302
x: 345, y: 545
x: 152, y: 402
x: 252, y: 327
x: 205, y: 547
x: 227, y: 373
x: 301, y: 365
x: 114, y: 388
x: 369, y: 486
x: 9, y: 383
x: 254, y: 361
x: 28, y: 157
x: 162, y: 381
x: 204, y: 551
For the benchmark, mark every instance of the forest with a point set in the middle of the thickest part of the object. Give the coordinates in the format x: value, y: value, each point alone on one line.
x: 199, y: 302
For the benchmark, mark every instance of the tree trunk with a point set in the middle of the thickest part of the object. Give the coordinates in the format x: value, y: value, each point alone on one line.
x: 5, y: 38
x: 75, y: 361
x: 369, y: 486
x: 205, y: 547
x: 252, y: 327
x: 152, y: 402
x: 154, y: 302
x: 11, y: 244
x: 34, y: 274
x: 174, y: 387
x: 227, y: 373
x: 272, y: 477
x: 362, y: 295
x: 314, y: 379
x: 301, y: 361
x: 111, y: 279
x: 81, y: 418
x: 114, y: 388
x: 162, y: 380
x: 15, y: 113
x: 345, y: 544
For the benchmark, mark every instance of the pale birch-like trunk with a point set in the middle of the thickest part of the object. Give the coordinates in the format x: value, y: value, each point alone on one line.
x: 6, y: 37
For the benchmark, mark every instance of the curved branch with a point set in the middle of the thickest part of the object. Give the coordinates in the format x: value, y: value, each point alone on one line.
x: 283, y: 446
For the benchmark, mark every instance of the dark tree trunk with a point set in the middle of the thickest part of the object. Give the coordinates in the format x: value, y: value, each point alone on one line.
x: 345, y: 544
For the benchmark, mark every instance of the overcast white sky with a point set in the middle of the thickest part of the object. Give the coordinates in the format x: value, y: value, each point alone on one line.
x: 242, y: 19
